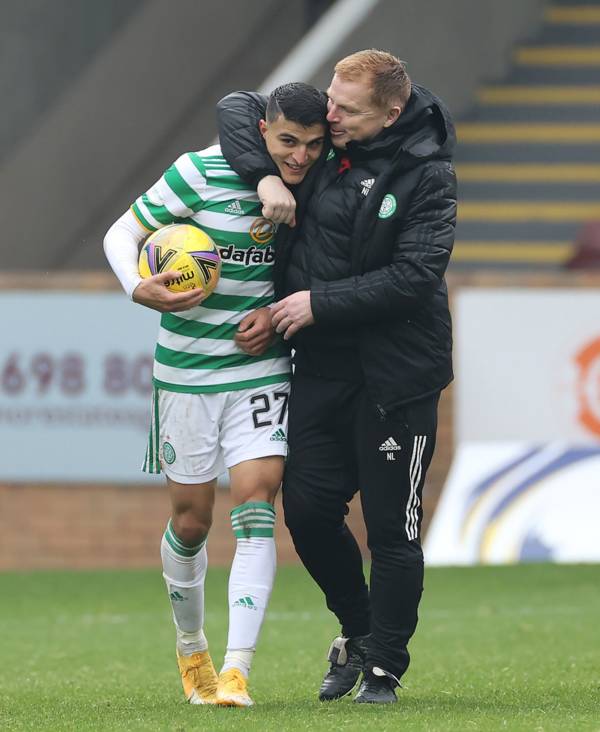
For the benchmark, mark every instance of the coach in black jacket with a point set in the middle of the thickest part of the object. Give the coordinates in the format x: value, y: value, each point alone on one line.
x: 361, y: 295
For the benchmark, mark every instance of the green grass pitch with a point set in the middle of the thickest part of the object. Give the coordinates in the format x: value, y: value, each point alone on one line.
x: 497, y: 648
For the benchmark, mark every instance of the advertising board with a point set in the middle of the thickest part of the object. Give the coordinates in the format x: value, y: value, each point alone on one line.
x: 75, y: 386
x: 525, y: 480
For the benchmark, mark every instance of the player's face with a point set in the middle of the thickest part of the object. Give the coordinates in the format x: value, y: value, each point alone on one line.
x: 293, y: 148
x: 352, y: 115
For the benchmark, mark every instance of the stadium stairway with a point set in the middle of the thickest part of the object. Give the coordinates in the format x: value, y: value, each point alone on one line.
x: 528, y: 160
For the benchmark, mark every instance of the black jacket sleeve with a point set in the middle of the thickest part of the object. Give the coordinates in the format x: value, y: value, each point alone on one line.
x: 238, y: 115
x: 420, y: 254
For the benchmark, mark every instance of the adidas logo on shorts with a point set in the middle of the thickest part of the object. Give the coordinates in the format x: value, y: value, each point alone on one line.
x: 278, y: 436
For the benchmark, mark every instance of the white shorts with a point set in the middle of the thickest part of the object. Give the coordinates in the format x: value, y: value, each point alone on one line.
x: 194, y: 437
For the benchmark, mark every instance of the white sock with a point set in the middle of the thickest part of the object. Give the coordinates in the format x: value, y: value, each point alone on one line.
x: 184, y: 570
x: 241, y: 660
x: 250, y: 581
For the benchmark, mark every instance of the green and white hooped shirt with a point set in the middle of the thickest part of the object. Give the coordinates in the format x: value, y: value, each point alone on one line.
x: 195, y: 351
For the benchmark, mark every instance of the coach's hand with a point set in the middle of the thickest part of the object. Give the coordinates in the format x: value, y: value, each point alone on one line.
x: 153, y: 293
x: 279, y: 205
x: 255, y: 332
x: 292, y: 313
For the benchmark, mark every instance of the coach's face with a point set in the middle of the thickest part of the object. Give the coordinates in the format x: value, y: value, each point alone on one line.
x: 352, y: 114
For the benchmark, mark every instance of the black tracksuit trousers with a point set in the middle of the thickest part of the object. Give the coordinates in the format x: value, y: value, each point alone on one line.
x: 339, y: 444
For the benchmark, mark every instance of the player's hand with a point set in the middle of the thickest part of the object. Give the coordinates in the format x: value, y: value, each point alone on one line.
x: 279, y: 205
x: 255, y: 332
x: 292, y: 313
x: 153, y: 293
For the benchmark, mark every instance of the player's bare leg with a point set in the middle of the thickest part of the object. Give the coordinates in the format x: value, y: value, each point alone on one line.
x: 254, y: 485
x: 183, y: 552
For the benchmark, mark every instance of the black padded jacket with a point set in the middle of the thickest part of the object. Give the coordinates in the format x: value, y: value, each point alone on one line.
x: 376, y: 230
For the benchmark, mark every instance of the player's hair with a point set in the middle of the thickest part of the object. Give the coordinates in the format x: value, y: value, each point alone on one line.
x: 297, y: 102
x: 391, y: 83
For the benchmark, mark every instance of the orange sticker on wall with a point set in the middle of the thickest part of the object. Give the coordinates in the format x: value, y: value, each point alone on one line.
x: 588, y: 386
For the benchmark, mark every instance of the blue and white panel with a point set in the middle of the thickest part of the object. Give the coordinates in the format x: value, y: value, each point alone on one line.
x: 514, y: 502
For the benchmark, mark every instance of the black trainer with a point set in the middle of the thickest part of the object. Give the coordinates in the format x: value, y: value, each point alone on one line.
x: 377, y: 687
x: 347, y: 657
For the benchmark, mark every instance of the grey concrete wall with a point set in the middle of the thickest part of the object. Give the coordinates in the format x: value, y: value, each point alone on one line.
x: 43, y: 46
x: 147, y: 97
x: 450, y: 46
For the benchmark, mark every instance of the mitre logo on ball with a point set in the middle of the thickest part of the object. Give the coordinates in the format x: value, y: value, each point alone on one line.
x: 185, y: 249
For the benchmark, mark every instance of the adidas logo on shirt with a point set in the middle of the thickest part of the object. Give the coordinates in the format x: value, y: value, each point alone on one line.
x: 278, y: 436
x: 367, y: 184
x: 235, y: 207
x: 389, y: 445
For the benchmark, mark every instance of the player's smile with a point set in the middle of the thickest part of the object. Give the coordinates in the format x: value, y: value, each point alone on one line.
x: 295, y: 168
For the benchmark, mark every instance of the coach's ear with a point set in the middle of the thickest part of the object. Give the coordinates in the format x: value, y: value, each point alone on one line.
x: 392, y: 115
x: 262, y: 126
